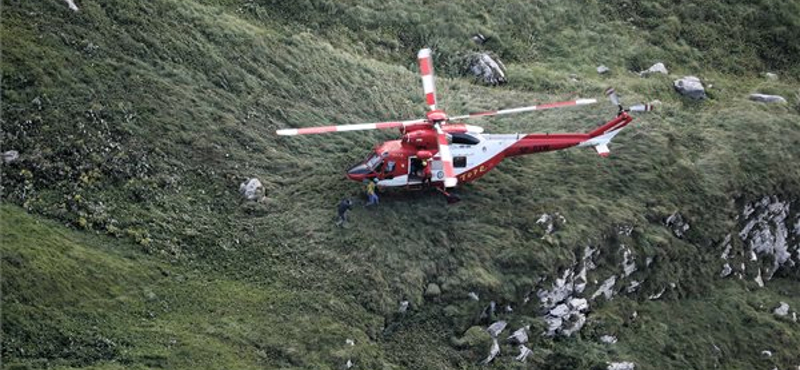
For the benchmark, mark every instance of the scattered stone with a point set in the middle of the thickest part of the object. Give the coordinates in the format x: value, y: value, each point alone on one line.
x: 433, y: 290
x: 251, y: 189
x: 479, y: 39
x: 560, y: 310
x: 349, y: 364
x: 509, y: 309
x: 690, y: 86
x: 495, y: 329
x: 657, y: 295
x: 520, y: 336
x: 524, y: 352
x: 350, y: 342
x: 493, y: 352
x: 771, y: 76
x: 486, y: 69
x: 621, y: 366
x: 10, y: 156
x: 766, y: 353
x: 579, y: 304
x: 608, y: 339
x: 488, y: 312
x: 726, y: 270
x: 602, y: 69
x: 473, y: 296
x: 782, y: 310
x: 628, y: 262
x: 403, y: 306
x: 794, y: 316
x: 71, y: 4
x: 577, y: 319
x: 763, y: 98
x: 655, y: 68
x: 759, y: 280
x: 634, y: 286
x: 678, y: 225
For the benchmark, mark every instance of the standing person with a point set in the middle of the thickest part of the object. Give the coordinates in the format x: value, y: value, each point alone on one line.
x: 372, y: 196
x: 426, y: 173
x: 344, y: 206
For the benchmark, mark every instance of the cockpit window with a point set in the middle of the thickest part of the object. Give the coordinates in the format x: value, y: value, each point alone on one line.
x: 374, y: 162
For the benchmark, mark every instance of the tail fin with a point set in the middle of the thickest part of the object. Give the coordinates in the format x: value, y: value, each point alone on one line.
x: 601, y: 137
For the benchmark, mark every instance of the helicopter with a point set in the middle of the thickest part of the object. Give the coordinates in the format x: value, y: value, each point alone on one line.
x: 458, y: 152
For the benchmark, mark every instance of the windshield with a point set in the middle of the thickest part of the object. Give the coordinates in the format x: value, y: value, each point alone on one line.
x: 374, y: 161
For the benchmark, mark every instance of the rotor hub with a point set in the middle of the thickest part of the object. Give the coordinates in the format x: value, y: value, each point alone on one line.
x: 436, y: 116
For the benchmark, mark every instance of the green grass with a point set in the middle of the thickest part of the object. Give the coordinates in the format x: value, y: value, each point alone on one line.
x: 137, y: 122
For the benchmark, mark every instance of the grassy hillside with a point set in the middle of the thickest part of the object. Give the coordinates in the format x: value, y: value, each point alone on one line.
x: 136, y: 123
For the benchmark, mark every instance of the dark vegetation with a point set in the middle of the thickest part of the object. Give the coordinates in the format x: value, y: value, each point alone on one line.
x: 125, y: 243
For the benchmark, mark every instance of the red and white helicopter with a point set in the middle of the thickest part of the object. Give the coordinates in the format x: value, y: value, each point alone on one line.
x: 458, y: 152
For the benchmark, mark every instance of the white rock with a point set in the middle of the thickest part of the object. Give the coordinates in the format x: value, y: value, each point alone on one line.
x: 606, y: 288
x: 10, y: 156
x: 690, y: 86
x: 609, y: 339
x: 473, y: 296
x: 71, y: 4
x: 794, y: 316
x: 578, y: 320
x: 657, y: 295
x: 771, y: 76
x: 726, y: 270
x: 553, y: 324
x: 579, y: 304
x: 782, y: 310
x: 488, y: 70
x: 524, y: 352
x: 759, y: 280
x: 493, y: 352
x: 350, y: 342
x: 766, y: 353
x: 602, y: 69
x: 349, y: 364
x: 633, y: 286
x: 496, y: 328
x: 763, y: 98
x: 403, y: 306
x: 655, y: 68
x: 520, y: 336
x: 621, y: 366
x: 251, y: 189
x: 628, y: 262
x: 560, y: 310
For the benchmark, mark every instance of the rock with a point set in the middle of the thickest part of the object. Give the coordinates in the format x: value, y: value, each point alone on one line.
x: 628, y: 262
x: 349, y: 342
x: 606, y: 289
x: 473, y: 296
x: 403, y: 306
x: 579, y: 304
x: 488, y: 312
x: 657, y: 295
x: 10, y: 156
x: 577, y: 319
x: 759, y: 280
x: 608, y: 339
x: 71, y: 4
x: 560, y: 310
x: 794, y: 316
x: 634, y: 286
x: 495, y: 329
x: 479, y: 39
x: 493, y: 352
x: 553, y: 324
x: 655, y: 68
x: 678, y: 225
x: 771, y: 76
x: 508, y: 309
x: 690, y: 86
x: 602, y: 69
x: 252, y: 189
x: 520, y: 336
x: 433, y: 290
x: 766, y: 353
x: 621, y: 366
x: 782, y: 310
x: 726, y: 270
x: 524, y: 352
x: 486, y: 69
x: 763, y: 98
x: 766, y: 232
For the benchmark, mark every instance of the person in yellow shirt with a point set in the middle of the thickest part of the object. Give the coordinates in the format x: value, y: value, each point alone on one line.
x: 372, y: 195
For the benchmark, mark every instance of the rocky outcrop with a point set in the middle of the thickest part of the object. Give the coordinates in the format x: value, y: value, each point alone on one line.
x: 10, y: 156
x: 524, y: 352
x: 608, y: 339
x: 496, y: 328
x: 72, y: 6
x: 678, y: 225
x: 520, y: 336
x: 621, y: 366
x: 602, y: 69
x: 765, y: 233
x: 486, y: 69
x: 782, y: 310
x: 691, y: 87
x: 493, y: 352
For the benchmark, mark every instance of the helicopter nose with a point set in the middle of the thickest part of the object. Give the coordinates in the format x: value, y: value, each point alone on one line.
x: 359, y: 172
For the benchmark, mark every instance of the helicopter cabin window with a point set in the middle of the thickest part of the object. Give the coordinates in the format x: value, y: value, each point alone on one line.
x: 375, y: 162
x: 460, y: 162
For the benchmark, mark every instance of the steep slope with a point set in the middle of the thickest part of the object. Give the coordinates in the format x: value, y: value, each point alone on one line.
x: 139, y: 121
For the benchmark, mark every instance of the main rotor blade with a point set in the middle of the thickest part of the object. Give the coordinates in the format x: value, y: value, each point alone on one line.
x: 527, y: 109
x: 340, y: 128
x: 426, y: 70
x: 450, y: 179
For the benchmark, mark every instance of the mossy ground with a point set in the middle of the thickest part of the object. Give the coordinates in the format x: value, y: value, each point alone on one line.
x: 136, y: 122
